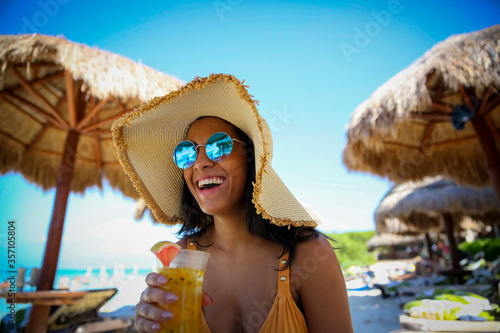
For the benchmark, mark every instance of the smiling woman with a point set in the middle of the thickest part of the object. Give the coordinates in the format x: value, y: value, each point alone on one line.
x: 200, y: 156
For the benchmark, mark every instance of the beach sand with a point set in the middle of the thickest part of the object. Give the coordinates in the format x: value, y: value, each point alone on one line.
x: 370, y: 312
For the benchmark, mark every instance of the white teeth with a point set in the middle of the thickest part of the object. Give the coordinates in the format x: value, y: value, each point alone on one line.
x: 213, y: 180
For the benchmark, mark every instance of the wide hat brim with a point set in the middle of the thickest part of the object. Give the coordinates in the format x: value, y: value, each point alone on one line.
x: 145, y: 139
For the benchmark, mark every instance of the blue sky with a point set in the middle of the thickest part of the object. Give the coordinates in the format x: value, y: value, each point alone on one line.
x: 309, y: 63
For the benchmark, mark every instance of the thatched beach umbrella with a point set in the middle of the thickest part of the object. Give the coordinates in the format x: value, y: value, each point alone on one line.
x: 58, y: 100
x: 385, y: 239
x: 394, y: 226
x: 433, y: 204
x: 416, y: 124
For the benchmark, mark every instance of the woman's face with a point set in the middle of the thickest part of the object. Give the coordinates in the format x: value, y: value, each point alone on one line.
x: 226, y: 180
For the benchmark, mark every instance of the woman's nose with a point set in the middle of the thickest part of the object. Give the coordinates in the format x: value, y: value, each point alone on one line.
x: 202, y: 160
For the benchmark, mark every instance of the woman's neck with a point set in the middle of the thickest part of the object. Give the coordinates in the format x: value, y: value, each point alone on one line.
x: 230, y: 232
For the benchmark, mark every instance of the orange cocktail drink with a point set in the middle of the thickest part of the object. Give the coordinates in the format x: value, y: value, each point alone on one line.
x: 185, y: 280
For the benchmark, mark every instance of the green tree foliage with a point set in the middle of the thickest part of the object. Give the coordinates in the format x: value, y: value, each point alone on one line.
x: 351, y: 248
x: 490, y: 247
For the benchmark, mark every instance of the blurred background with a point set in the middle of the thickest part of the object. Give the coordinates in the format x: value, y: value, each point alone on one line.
x: 309, y: 63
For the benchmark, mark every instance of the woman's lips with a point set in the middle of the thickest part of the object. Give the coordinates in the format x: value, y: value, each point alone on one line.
x: 209, y: 185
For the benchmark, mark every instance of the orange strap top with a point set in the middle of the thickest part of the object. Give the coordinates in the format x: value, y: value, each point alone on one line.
x: 284, y: 316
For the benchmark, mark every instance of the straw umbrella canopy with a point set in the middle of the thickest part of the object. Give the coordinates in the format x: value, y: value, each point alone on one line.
x: 58, y: 100
x: 434, y: 203
x: 385, y: 239
x: 416, y: 124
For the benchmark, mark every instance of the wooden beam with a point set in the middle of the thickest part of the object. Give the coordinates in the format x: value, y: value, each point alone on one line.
x: 39, y: 111
x: 39, y: 314
x: 29, y: 88
x: 448, y: 227
x: 490, y: 150
x: 435, y: 116
x: 442, y: 107
x: 427, y: 136
x: 91, y: 114
x: 491, y: 126
x: 50, y: 89
x: 36, y: 81
x: 97, y: 152
x: 465, y: 97
x: 444, y: 143
x: 39, y: 65
x: 60, y: 101
x: 120, y: 104
x: 484, y: 101
x: 70, y: 96
x: 492, y: 104
x: 26, y: 113
x: 104, y: 122
x: 2, y: 132
x: 429, y: 245
x: 440, y: 89
x: 38, y: 137
x: 438, y: 144
x: 402, y: 145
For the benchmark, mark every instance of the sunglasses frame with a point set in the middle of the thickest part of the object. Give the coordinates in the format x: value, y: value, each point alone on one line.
x: 205, y: 145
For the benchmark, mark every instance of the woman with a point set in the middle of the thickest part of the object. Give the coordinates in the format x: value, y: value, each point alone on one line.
x: 269, y: 269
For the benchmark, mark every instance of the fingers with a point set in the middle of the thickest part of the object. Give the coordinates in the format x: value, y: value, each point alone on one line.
x: 148, y: 314
x: 206, y: 299
x: 148, y: 317
x: 157, y: 295
x: 154, y: 294
x: 155, y: 280
x: 145, y: 325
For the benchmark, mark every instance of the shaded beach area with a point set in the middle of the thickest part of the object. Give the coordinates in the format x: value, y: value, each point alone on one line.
x: 370, y: 312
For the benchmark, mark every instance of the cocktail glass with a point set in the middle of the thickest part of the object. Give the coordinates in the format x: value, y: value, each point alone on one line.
x: 184, y: 279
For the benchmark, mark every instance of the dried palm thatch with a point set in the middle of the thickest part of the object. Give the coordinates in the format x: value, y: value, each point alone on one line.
x: 438, y: 204
x: 420, y: 205
x: 58, y: 100
x: 393, y: 225
x: 385, y: 239
x: 36, y: 116
x: 404, y: 130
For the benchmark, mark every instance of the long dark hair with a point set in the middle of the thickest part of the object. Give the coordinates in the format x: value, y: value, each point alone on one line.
x: 196, y: 221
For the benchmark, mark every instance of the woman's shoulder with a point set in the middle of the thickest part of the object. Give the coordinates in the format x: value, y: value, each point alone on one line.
x: 316, y: 248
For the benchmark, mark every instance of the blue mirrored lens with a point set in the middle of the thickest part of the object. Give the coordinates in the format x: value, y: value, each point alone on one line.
x: 219, y: 147
x: 185, y: 154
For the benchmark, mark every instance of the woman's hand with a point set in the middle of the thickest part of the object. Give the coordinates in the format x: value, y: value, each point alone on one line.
x: 148, y: 314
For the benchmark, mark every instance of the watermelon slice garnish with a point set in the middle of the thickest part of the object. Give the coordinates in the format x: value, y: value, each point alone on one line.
x: 166, y: 252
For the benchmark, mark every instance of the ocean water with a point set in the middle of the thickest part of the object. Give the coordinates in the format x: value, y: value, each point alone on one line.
x: 118, y: 277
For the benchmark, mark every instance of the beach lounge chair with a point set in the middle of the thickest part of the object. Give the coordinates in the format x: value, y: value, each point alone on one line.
x: 82, y: 316
x: 75, y: 312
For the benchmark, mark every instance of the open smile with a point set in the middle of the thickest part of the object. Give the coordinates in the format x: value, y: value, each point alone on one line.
x: 210, y: 185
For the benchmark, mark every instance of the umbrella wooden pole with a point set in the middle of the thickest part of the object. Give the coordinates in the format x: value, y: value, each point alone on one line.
x: 487, y: 141
x: 39, y: 314
x: 429, y: 245
x: 448, y: 225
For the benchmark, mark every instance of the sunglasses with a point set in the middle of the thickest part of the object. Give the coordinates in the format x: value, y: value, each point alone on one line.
x: 219, y: 146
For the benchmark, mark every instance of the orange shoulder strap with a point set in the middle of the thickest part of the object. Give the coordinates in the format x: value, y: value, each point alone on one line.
x: 284, y: 275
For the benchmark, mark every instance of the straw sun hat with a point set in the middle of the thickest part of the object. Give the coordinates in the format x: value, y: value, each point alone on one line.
x: 145, y: 139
